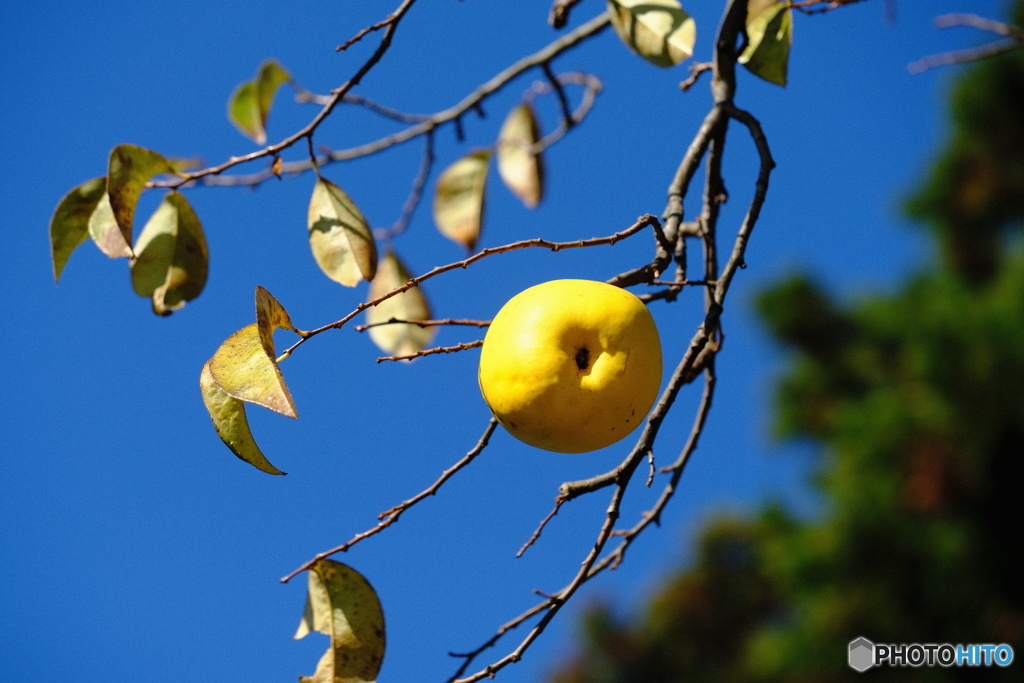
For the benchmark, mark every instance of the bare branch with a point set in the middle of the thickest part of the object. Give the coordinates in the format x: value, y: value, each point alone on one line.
x: 454, y: 114
x: 960, y: 56
x: 819, y: 6
x: 424, y: 323
x: 389, y: 517
x: 359, y: 36
x: 642, y: 222
x: 695, y: 71
x: 699, y: 356
x: 430, y: 352
x: 540, y: 527
x: 563, y: 101
x: 336, y: 96
x: 559, y: 14
x: 415, y: 195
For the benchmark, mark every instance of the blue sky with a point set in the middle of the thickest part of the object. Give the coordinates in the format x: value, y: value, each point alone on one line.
x: 136, y: 546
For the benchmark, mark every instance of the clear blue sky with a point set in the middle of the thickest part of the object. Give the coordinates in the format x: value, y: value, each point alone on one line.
x: 134, y: 546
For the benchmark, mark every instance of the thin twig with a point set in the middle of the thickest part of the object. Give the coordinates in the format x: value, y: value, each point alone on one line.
x: 559, y: 14
x: 699, y: 356
x: 359, y: 36
x: 805, y: 6
x: 682, y: 283
x: 642, y: 222
x: 981, y: 23
x: 695, y: 71
x: 540, y: 527
x: 415, y: 195
x: 992, y: 49
x: 302, y: 95
x: 563, y: 101
x: 556, y: 601
x: 389, y: 517
x: 424, y: 323
x: 337, y: 96
x: 454, y: 114
x: 439, y: 349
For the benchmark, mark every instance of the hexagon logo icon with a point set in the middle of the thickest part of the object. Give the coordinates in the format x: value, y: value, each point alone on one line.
x: 862, y: 654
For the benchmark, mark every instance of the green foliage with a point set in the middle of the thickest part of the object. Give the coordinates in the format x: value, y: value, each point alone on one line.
x: 69, y: 226
x: 915, y: 400
x: 169, y: 260
x: 769, y: 36
x: 971, y: 197
x: 249, y: 106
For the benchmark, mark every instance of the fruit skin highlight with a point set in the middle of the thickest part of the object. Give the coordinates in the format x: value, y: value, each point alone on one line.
x: 571, y: 365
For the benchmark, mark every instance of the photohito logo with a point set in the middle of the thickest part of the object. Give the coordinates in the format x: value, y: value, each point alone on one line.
x: 863, y: 654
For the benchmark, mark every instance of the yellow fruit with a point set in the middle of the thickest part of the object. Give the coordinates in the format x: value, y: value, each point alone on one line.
x: 571, y: 365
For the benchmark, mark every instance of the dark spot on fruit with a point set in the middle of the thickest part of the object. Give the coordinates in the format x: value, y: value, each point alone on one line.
x: 583, y: 359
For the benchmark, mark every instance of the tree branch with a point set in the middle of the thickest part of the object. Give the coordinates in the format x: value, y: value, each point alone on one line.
x: 336, y: 96
x: 439, y: 349
x: 642, y: 222
x: 389, y: 517
x: 454, y: 114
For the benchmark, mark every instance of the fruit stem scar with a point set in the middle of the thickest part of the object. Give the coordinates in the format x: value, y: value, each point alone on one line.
x: 583, y: 359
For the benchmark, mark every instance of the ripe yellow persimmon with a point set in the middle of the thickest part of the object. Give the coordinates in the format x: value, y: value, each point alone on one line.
x: 571, y: 365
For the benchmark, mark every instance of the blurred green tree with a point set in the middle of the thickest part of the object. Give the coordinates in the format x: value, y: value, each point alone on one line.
x: 916, y: 399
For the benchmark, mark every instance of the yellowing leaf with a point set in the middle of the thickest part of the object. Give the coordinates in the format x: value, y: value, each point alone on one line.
x: 342, y: 604
x: 770, y: 35
x: 339, y: 236
x: 270, y: 315
x: 521, y: 169
x: 244, y: 369
x: 249, y: 106
x: 128, y: 171
x: 69, y: 226
x: 397, y: 338
x: 660, y: 31
x: 104, y: 231
x: 459, y: 199
x: 172, y: 259
x: 228, y: 415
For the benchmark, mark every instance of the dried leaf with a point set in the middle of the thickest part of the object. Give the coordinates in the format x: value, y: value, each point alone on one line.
x: 339, y: 236
x: 521, y: 169
x: 172, y: 258
x: 660, y: 31
x: 69, y: 226
x: 397, y: 338
x: 459, y: 199
x: 249, y: 106
x: 770, y: 36
x: 244, y: 369
x: 342, y: 604
x: 228, y: 415
x: 270, y: 315
x: 128, y: 171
